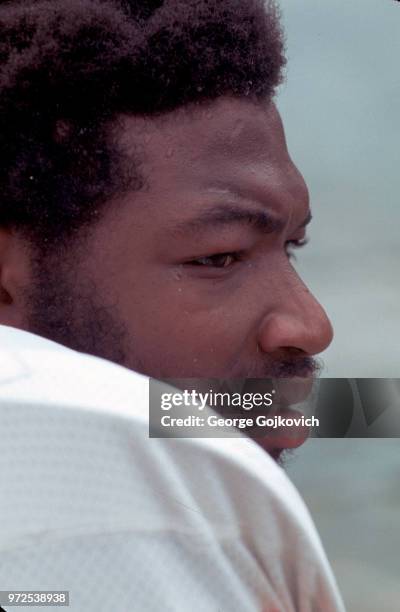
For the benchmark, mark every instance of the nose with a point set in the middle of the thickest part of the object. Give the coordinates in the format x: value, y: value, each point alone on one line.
x: 297, y: 321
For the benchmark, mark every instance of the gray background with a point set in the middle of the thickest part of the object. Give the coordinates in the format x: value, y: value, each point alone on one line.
x: 341, y: 106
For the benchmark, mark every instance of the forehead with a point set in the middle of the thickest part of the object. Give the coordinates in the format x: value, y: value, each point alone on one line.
x: 227, y: 145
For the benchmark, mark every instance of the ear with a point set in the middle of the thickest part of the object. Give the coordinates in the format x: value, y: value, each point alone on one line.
x: 14, y: 274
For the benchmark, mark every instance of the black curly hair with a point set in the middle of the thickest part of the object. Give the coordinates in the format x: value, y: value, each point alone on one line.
x: 69, y: 68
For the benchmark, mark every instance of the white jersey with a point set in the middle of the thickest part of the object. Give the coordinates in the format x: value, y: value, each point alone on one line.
x: 91, y: 505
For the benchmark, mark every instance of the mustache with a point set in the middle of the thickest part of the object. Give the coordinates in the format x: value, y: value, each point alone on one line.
x: 302, y: 367
x: 291, y: 366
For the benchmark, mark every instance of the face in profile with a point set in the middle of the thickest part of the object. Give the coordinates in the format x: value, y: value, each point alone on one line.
x: 149, y: 207
x: 192, y: 275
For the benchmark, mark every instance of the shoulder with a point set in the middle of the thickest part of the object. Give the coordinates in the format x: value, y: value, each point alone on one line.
x: 48, y: 392
x: 37, y: 371
x: 77, y: 460
x: 45, y: 387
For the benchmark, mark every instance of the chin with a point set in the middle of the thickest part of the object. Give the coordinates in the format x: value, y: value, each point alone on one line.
x: 281, y: 455
x: 276, y: 453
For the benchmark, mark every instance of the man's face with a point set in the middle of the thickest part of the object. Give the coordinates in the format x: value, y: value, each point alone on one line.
x: 191, y: 277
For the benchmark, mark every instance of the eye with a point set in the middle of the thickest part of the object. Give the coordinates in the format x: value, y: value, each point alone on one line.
x: 222, y: 260
x: 293, y: 245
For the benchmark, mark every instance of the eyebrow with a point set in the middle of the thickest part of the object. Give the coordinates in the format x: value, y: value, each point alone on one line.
x: 224, y: 215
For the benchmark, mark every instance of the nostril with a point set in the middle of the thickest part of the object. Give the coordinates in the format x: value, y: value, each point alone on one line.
x: 293, y: 351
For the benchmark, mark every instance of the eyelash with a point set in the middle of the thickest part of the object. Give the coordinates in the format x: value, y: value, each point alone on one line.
x: 197, y: 262
x: 237, y: 255
x: 293, y: 245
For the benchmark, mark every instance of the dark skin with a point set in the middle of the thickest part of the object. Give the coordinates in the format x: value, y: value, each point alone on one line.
x: 196, y: 267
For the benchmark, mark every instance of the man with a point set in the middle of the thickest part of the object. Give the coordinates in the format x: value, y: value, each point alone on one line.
x: 148, y: 214
x: 149, y: 205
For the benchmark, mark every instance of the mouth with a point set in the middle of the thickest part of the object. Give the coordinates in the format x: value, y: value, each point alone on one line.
x: 281, y: 437
x: 294, y: 390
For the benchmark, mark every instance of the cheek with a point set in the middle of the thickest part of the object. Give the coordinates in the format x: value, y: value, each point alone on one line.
x: 185, y: 326
x: 207, y: 316
x: 205, y: 332
x: 189, y: 338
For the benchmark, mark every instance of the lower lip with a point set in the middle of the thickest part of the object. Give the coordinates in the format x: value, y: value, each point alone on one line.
x: 280, y: 438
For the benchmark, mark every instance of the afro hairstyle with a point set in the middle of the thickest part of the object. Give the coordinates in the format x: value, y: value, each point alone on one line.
x: 69, y: 68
